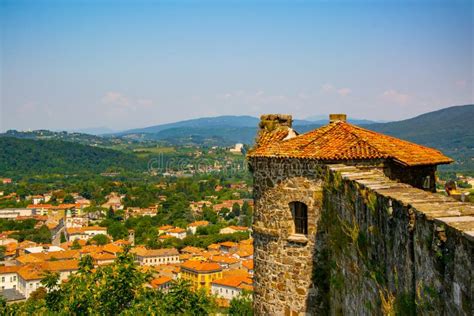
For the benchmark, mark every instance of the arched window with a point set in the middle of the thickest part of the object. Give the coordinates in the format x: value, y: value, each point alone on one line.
x: 300, y: 217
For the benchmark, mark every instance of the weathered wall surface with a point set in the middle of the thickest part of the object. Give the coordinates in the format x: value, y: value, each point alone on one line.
x: 395, y: 249
x: 283, y: 277
x: 374, y: 246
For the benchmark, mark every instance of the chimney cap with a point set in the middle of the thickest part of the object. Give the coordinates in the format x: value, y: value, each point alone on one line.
x: 337, y: 117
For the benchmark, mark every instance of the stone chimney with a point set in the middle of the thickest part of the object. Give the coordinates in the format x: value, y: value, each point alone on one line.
x: 337, y: 117
x: 270, y: 122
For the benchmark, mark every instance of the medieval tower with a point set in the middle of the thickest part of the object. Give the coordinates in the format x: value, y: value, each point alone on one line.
x: 324, y: 242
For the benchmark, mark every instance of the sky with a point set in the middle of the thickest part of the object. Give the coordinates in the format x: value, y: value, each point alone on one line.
x: 73, y: 64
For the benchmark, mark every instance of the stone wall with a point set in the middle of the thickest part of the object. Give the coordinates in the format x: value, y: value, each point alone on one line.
x: 284, y: 261
x: 374, y: 246
x: 396, y: 249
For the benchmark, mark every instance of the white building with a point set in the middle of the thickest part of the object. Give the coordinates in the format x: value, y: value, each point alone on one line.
x: 231, y: 286
x: 27, y: 279
x: 12, y: 213
x: 237, y: 148
x: 153, y: 257
x: 9, y: 277
x: 85, y: 233
x: 177, y: 233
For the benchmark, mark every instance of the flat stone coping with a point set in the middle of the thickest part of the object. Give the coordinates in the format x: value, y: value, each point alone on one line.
x: 436, y: 207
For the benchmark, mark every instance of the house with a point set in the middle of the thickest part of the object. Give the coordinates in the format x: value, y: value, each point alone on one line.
x: 197, y: 207
x: 227, y: 204
x: 37, y: 199
x: 194, y: 225
x: 228, y: 246
x: 164, y: 229
x: 43, y: 249
x: 237, y: 148
x: 30, y: 276
x: 13, y: 213
x: 226, y: 262
x: 247, y: 265
x: 9, y: 277
x: 233, y: 229
x: 85, y: 233
x: 162, y: 283
x: 102, y: 258
x: 40, y: 209
x: 231, y: 286
x: 192, y: 250
x: 114, y: 201
x: 6, y: 180
x: 200, y: 274
x: 177, y: 233
x: 153, y: 257
x: 243, y: 252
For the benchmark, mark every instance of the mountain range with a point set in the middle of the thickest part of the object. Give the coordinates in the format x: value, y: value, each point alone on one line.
x: 449, y: 130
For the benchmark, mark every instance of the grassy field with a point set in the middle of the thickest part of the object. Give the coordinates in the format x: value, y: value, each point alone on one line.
x: 146, y: 151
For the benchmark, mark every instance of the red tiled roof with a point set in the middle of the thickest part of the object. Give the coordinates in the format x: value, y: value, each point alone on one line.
x: 155, y: 283
x: 233, y: 281
x: 343, y: 141
x: 201, y: 267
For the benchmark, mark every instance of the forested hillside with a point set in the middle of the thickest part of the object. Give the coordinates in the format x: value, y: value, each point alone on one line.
x: 26, y: 156
x: 449, y: 130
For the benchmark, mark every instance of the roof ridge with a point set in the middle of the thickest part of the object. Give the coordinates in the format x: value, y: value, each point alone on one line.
x: 360, y: 139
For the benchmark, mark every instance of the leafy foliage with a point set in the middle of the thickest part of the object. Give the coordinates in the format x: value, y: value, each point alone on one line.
x: 21, y: 156
x: 116, y: 289
x: 241, y: 305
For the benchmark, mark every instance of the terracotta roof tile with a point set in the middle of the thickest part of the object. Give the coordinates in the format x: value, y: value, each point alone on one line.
x: 201, y: 267
x: 233, y: 281
x: 155, y: 283
x: 343, y: 141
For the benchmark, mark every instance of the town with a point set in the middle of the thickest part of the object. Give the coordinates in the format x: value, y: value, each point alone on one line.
x: 179, y: 228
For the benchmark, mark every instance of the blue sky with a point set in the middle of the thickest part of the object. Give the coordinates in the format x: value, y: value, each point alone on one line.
x: 123, y: 64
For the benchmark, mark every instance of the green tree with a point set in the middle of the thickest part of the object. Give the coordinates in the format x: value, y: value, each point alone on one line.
x: 117, y: 230
x: 63, y: 237
x: 75, y: 245
x: 209, y: 215
x: 100, y: 239
x: 236, y: 209
x: 54, y: 295
x: 69, y: 199
x: 241, y: 305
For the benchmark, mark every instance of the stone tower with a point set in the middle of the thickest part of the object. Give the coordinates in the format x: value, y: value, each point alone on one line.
x: 289, y: 172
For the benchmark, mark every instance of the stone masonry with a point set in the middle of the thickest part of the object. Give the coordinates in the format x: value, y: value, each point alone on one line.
x: 374, y: 246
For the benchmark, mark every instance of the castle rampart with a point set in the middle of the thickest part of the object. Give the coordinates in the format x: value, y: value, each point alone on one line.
x: 373, y: 245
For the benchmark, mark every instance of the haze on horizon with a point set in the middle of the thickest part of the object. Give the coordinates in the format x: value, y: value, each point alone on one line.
x: 125, y: 64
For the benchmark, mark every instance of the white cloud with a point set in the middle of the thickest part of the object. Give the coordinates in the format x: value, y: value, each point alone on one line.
x: 115, y: 98
x: 396, y: 96
x: 344, y: 91
x: 327, y: 87
x: 119, y: 100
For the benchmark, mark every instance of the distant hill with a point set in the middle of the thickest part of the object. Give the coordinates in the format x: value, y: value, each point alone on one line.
x: 222, y: 122
x: 33, y: 157
x: 75, y: 137
x: 449, y: 130
x: 206, y: 122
